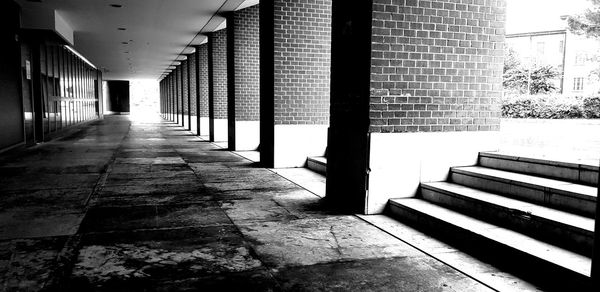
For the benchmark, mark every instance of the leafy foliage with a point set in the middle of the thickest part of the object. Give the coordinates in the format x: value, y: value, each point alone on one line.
x: 551, y: 107
x: 587, y: 23
x: 539, y: 79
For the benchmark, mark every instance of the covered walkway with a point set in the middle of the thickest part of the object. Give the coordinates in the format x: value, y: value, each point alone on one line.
x: 152, y: 207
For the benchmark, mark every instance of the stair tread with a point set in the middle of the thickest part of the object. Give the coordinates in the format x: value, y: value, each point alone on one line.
x: 547, y: 213
x: 565, y: 161
x: 548, y: 252
x: 318, y: 159
x: 531, y: 180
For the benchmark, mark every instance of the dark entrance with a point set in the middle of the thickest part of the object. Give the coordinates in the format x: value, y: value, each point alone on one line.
x: 118, y: 96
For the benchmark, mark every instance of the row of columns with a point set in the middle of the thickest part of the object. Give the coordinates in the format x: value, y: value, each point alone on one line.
x: 393, y: 92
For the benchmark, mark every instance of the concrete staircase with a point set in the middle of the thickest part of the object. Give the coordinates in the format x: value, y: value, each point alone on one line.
x: 317, y: 164
x: 533, y: 215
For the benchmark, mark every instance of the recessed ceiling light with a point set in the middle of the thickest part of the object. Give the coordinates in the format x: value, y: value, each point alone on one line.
x: 116, y: 5
x: 121, y: 28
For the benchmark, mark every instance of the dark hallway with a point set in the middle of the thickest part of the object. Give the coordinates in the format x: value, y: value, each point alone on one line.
x: 152, y: 207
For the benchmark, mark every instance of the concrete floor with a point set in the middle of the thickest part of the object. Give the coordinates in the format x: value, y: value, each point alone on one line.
x: 145, y: 206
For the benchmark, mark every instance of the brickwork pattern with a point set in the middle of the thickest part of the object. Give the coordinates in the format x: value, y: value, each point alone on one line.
x: 219, y: 42
x: 193, y: 85
x: 178, y: 102
x: 184, y: 76
x: 203, y: 86
x: 436, y: 65
x: 302, y: 36
x: 247, y: 64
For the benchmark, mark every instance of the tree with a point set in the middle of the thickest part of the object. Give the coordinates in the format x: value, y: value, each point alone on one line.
x: 587, y: 23
x: 516, y: 77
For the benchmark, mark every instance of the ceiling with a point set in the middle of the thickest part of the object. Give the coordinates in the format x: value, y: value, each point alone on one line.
x: 141, y: 38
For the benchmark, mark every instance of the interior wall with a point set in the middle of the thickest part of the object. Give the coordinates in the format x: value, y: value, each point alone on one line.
x: 11, y: 111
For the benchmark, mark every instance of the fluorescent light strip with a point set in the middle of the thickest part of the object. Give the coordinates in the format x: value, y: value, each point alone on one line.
x: 80, y: 56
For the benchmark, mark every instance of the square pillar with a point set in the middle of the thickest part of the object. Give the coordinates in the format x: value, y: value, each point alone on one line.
x: 178, y: 96
x: 295, y: 40
x: 243, y: 94
x: 185, y: 96
x: 193, y: 95
x: 202, y: 89
x: 418, y: 92
x: 217, y: 56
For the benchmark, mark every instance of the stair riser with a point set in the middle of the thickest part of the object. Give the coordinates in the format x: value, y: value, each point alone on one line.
x: 581, y: 174
x: 489, y: 250
x: 316, y: 167
x: 569, y: 237
x: 553, y: 198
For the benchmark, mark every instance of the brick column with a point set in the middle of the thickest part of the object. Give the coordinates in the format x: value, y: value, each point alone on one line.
x: 217, y: 56
x: 192, y: 89
x: 203, y: 87
x: 295, y: 42
x: 176, y: 95
x: 418, y: 93
x: 243, y: 94
x: 217, y: 62
x: 185, y: 97
x: 171, y: 97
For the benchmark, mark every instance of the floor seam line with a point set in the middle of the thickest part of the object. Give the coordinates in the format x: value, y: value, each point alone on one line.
x: 428, y: 254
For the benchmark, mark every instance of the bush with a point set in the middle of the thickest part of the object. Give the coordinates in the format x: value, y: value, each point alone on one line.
x: 550, y: 107
x: 591, y: 107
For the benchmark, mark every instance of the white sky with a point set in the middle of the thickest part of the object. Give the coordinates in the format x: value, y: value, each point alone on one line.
x: 540, y: 15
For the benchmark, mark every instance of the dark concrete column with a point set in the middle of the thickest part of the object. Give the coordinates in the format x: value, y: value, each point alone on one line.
x: 217, y: 56
x: 243, y: 94
x: 412, y: 97
x: 596, y: 255
x: 203, y: 89
x: 294, y: 78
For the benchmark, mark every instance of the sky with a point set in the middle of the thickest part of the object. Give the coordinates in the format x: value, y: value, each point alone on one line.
x: 540, y: 15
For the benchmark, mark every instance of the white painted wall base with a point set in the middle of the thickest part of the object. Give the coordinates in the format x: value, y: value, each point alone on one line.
x: 247, y: 135
x: 294, y: 143
x: 194, y: 125
x: 204, y: 127
x: 221, y: 130
x: 400, y: 161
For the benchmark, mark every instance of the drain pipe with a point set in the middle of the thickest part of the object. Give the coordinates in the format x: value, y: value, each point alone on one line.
x: 596, y: 255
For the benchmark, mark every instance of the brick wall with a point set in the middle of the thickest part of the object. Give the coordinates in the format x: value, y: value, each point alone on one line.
x: 178, y: 91
x: 193, y: 85
x: 302, y: 36
x: 184, y: 76
x: 247, y: 65
x: 203, y: 86
x: 218, y: 40
x: 436, y: 65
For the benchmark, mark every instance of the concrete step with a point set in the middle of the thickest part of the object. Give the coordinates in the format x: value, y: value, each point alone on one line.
x: 572, y: 171
x: 317, y: 164
x: 570, y: 231
x: 557, y: 194
x: 504, y: 245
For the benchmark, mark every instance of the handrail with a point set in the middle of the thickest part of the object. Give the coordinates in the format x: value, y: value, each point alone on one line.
x: 64, y: 98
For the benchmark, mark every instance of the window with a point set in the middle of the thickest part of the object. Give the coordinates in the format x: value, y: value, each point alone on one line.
x: 578, y: 83
x: 540, y: 48
x: 580, y: 58
x: 561, y: 47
